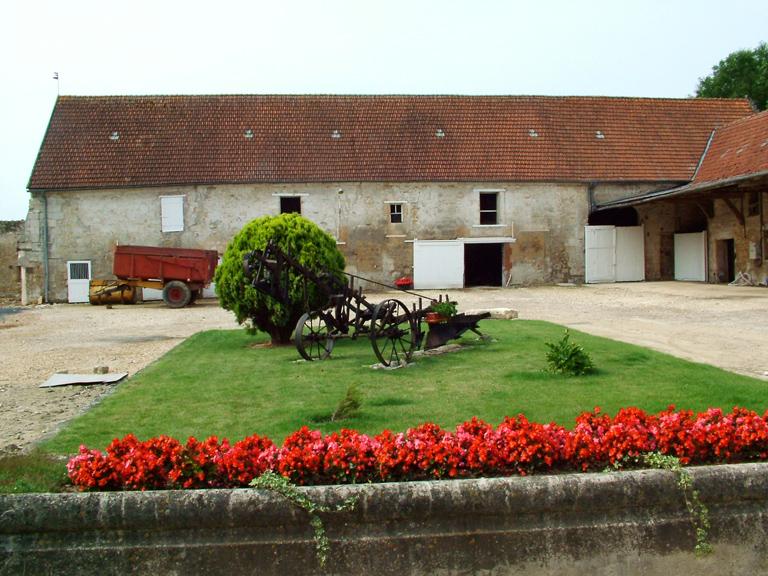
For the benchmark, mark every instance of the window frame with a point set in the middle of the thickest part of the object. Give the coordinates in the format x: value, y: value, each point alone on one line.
x: 294, y: 198
x: 395, y: 211
x: 486, y: 212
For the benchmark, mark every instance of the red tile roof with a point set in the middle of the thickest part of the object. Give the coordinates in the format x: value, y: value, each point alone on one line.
x: 109, y: 141
x: 738, y: 149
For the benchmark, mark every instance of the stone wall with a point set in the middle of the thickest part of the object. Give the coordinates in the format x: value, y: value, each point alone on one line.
x: 10, y: 235
x: 547, y: 221
x: 660, y: 222
x: 631, y: 522
x: 750, y: 239
x: 663, y: 219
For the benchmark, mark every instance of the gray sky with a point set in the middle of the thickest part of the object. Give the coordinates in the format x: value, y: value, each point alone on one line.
x: 615, y: 48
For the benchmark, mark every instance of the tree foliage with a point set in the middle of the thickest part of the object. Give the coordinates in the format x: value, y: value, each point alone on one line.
x: 296, y: 236
x: 742, y: 73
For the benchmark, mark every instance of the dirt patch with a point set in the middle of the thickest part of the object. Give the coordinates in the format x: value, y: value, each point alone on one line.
x: 720, y: 325
x: 76, y: 339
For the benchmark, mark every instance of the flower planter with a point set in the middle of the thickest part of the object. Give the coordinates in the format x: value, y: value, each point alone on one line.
x: 435, y: 318
x: 404, y: 283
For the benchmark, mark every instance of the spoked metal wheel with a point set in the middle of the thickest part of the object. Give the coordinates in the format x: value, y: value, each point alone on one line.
x: 313, y: 337
x: 393, y: 335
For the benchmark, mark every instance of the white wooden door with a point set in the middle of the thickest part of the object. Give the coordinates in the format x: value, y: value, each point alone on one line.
x: 78, y: 280
x: 438, y: 264
x: 630, y: 254
x: 691, y: 257
x: 600, y: 254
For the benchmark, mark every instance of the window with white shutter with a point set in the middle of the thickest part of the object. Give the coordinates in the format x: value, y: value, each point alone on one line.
x: 172, y: 213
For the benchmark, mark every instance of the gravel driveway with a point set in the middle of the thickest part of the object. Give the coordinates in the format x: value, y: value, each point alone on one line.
x: 720, y: 325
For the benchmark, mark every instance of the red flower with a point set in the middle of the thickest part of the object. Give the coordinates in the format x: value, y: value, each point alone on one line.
x: 516, y: 446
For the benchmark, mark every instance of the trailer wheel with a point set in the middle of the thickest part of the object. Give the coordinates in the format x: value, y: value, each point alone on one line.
x: 176, y: 294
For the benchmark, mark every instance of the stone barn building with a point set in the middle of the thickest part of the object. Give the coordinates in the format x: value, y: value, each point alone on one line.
x: 449, y: 190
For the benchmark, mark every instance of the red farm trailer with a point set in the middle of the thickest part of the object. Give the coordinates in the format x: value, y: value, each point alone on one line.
x: 181, y: 273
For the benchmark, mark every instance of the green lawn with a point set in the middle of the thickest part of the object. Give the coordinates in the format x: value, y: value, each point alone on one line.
x: 229, y: 384
x: 219, y: 383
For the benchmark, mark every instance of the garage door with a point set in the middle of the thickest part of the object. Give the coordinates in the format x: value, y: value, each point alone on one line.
x: 691, y: 257
x: 630, y: 254
x: 438, y: 264
x: 600, y: 254
x: 614, y: 254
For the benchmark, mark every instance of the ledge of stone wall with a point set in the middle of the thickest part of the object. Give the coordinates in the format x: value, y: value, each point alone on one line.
x: 572, y: 524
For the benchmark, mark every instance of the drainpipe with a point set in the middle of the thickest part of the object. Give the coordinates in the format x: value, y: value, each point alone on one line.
x: 45, y: 247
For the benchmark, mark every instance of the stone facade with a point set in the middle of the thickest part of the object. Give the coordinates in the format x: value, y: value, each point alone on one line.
x: 541, y: 225
x: 10, y: 234
x: 546, y: 222
x: 663, y: 219
x: 750, y: 239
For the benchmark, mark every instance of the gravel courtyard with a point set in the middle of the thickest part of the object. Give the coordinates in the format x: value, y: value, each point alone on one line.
x: 721, y: 325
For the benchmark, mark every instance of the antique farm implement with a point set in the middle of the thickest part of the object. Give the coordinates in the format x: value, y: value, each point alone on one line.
x: 394, y: 330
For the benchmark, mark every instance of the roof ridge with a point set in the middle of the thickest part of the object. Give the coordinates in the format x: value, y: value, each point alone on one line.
x: 409, y: 96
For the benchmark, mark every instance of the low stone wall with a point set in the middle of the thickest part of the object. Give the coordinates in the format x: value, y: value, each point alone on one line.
x: 614, y: 523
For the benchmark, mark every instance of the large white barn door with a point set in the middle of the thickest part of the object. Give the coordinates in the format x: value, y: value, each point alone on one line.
x: 600, y: 254
x: 614, y: 254
x: 438, y: 264
x: 78, y: 280
x: 630, y: 254
x: 691, y: 257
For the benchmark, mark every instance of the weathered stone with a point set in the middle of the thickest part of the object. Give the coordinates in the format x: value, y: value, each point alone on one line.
x: 572, y: 524
x: 547, y: 220
x: 10, y: 235
x: 496, y: 313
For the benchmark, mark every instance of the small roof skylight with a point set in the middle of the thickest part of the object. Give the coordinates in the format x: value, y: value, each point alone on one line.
x: 248, y: 133
x: 532, y: 133
x: 440, y: 133
x: 336, y: 134
x: 114, y: 136
x: 599, y: 135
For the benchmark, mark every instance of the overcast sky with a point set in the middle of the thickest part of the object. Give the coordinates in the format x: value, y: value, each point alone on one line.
x: 653, y: 48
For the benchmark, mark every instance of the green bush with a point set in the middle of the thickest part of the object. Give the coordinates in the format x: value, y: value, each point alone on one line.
x: 300, y: 238
x: 566, y: 357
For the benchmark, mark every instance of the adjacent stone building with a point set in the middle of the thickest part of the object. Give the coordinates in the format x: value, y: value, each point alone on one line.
x: 450, y: 190
x: 719, y: 218
x: 10, y: 276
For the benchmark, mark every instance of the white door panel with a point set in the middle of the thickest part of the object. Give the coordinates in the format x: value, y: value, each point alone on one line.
x: 691, y: 257
x: 78, y: 280
x: 438, y: 264
x: 600, y: 254
x: 630, y: 254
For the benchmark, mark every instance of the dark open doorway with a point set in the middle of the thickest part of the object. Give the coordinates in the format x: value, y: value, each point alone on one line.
x: 614, y: 217
x: 725, y: 260
x: 483, y: 264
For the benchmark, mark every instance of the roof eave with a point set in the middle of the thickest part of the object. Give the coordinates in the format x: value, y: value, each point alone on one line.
x: 681, y: 191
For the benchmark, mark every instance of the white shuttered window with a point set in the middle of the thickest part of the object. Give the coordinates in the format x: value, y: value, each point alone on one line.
x: 172, y: 213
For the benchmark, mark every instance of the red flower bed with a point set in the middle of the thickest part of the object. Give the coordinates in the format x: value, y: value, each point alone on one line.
x: 475, y: 448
